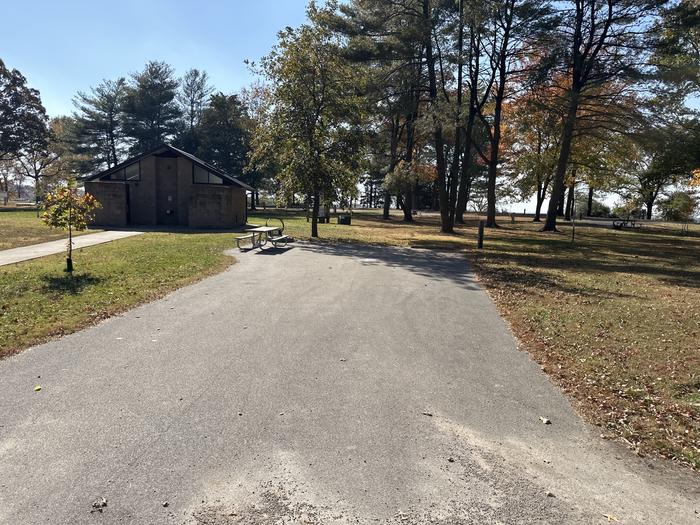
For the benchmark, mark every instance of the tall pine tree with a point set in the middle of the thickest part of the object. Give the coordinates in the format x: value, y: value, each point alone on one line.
x: 193, y: 99
x: 98, y: 124
x: 151, y: 112
x: 224, y: 138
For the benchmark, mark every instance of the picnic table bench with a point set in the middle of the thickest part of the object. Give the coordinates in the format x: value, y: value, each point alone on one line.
x: 621, y: 223
x: 260, y: 235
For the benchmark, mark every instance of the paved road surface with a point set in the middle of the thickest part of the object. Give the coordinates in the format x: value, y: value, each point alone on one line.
x: 316, y: 385
x: 34, y: 251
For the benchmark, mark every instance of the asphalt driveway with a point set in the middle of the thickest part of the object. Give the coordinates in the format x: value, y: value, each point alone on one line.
x: 322, y: 384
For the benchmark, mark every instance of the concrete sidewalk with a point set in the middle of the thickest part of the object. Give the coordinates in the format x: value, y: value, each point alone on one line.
x: 25, y: 253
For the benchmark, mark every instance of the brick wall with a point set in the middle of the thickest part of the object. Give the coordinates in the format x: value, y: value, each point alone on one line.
x: 112, y: 197
x: 195, y: 205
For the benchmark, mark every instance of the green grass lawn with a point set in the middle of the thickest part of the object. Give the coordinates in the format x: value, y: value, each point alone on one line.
x: 23, y: 227
x: 38, y: 300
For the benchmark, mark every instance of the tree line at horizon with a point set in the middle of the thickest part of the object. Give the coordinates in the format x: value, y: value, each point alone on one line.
x: 117, y: 119
x: 442, y: 104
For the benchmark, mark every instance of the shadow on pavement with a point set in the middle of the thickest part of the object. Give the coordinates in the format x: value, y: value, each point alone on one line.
x: 428, y: 263
x: 270, y: 250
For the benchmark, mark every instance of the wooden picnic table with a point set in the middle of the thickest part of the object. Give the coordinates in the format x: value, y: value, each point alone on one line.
x: 261, y: 234
x: 618, y: 224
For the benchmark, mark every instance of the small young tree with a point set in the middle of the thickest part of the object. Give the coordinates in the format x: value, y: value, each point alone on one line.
x: 68, y: 210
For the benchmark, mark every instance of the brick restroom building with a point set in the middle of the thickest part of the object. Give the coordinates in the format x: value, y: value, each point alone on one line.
x: 169, y: 187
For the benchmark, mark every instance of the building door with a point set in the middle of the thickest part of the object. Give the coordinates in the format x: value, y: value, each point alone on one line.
x: 166, y: 190
x: 128, y: 203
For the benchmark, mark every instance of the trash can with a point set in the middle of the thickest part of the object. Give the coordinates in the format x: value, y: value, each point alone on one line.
x: 344, y: 219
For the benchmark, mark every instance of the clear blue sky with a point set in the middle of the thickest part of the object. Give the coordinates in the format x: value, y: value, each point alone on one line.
x: 63, y: 46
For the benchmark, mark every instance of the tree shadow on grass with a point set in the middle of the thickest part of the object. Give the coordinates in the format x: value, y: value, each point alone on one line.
x: 517, y: 277
x: 446, y: 245
x: 668, y: 267
x: 69, y: 284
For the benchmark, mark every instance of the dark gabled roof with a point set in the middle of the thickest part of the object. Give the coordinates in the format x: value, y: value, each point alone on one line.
x: 177, y: 151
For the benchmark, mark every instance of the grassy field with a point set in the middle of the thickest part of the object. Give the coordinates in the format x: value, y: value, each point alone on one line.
x: 614, y: 318
x: 38, y: 300
x: 22, y: 228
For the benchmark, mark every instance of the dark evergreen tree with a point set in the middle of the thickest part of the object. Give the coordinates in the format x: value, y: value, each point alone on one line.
x: 677, y: 49
x: 193, y: 99
x: 98, y: 120
x: 151, y: 112
x: 225, y: 141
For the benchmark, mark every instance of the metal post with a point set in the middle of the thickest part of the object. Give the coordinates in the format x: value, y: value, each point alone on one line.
x: 480, y: 244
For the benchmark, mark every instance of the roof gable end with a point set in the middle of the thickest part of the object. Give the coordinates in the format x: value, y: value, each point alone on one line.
x: 181, y: 153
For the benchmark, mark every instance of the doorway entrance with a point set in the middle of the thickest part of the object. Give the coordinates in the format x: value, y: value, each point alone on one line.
x: 166, y: 190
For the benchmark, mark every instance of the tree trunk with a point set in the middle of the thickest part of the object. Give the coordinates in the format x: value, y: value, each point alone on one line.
x: 650, y: 208
x: 36, y: 195
x: 569, y: 202
x: 459, y: 131
x: 438, y: 139
x: 69, y: 259
x: 571, y: 195
x: 407, y: 206
x: 538, y: 205
x: 493, y: 163
x: 112, y: 147
x: 465, y: 178
x: 567, y: 135
x: 589, y: 206
x: 561, y: 199
x: 496, y: 134
x: 314, y: 214
x: 407, y: 201
x: 387, y: 205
